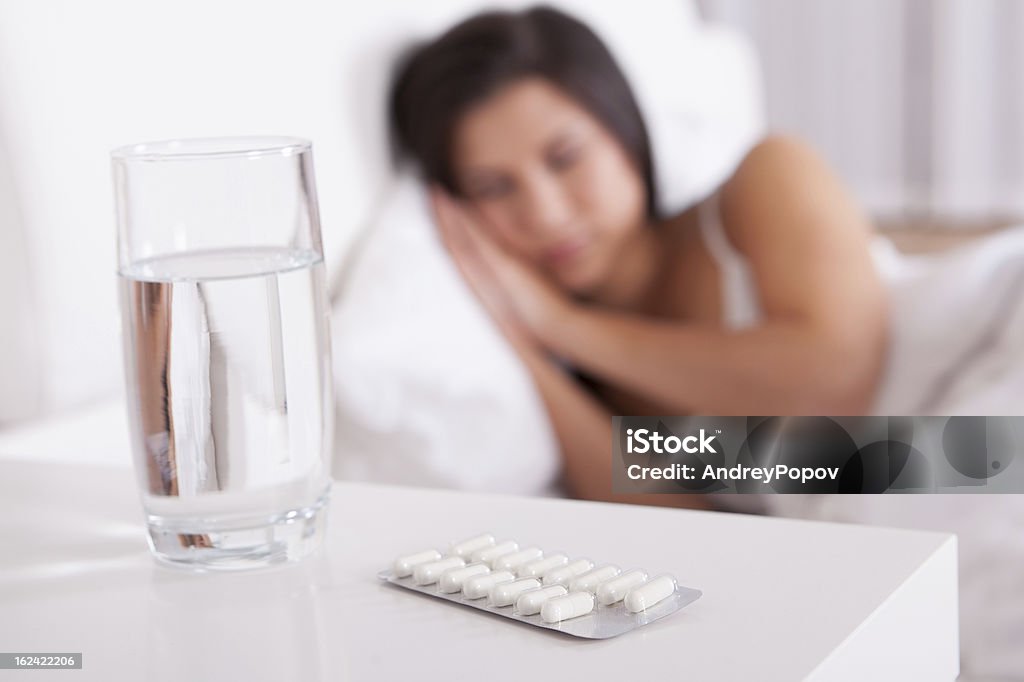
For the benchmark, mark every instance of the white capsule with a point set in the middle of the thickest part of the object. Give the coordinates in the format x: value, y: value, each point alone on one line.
x: 513, y: 561
x: 589, y: 581
x: 466, y: 548
x: 530, y: 603
x: 404, y: 565
x: 537, y: 569
x: 572, y: 605
x: 562, y: 576
x: 426, y: 574
x: 487, y: 555
x: 616, y: 588
x: 480, y: 585
x: 452, y: 579
x: 650, y: 593
x: 505, y: 594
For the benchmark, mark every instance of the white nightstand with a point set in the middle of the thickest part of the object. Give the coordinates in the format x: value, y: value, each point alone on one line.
x: 783, y: 600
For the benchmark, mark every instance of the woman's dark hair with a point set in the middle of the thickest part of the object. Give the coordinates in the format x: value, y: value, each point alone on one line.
x: 438, y: 81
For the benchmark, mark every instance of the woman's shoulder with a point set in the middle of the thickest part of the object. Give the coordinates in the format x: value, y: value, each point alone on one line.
x: 776, y: 161
x: 780, y: 178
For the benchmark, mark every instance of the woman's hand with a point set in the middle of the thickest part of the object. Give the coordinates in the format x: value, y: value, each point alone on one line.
x: 526, y: 305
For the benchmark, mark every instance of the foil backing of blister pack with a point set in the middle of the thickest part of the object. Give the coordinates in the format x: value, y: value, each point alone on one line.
x: 601, y: 623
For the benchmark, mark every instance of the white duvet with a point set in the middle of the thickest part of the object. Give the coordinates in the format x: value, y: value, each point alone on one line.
x: 958, y: 330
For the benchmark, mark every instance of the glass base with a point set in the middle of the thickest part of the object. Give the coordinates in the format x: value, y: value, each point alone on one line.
x: 240, y: 543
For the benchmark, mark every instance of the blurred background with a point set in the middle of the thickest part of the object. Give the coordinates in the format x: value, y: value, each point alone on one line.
x: 918, y: 103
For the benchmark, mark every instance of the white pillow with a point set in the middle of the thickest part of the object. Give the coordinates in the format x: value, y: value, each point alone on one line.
x: 428, y: 391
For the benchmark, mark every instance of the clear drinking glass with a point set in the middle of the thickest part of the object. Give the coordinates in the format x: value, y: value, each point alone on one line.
x: 226, y: 344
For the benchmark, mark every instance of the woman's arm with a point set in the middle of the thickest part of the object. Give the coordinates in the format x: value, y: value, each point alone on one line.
x: 584, y: 430
x: 821, y: 346
x: 779, y: 368
x: 581, y: 423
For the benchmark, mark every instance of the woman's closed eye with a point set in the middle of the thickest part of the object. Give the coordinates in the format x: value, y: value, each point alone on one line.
x: 494, y: 187
x: 563, y: 157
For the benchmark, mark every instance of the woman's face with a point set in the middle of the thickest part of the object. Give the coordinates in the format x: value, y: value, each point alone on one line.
x: 553, y: 184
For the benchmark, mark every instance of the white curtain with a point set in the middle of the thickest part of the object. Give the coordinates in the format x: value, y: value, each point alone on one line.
x: 918, y: 103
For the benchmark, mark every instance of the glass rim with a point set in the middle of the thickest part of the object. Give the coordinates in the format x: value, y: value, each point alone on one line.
x: 195, y: 148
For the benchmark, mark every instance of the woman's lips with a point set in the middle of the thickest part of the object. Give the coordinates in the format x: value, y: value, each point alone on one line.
x: 565, y: 251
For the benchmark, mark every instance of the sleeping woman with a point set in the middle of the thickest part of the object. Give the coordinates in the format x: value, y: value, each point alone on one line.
x: 761, y: 299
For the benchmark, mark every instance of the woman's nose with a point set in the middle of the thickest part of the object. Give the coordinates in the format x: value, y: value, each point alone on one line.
x: 548, y: 206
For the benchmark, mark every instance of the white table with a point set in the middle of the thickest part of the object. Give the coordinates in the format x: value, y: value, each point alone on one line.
x: 783, y: 600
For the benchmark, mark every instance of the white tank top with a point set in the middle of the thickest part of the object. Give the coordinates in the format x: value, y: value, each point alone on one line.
x: 741, y: 308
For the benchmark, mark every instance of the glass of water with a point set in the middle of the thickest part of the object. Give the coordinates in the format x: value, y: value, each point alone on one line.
x: 226, y: 347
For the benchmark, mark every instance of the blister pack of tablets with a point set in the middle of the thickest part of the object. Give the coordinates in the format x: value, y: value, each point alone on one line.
x: 545, y: 589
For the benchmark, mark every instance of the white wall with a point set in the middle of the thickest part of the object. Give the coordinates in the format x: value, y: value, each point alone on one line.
x: 919, y: 103
x: 20, y: 371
